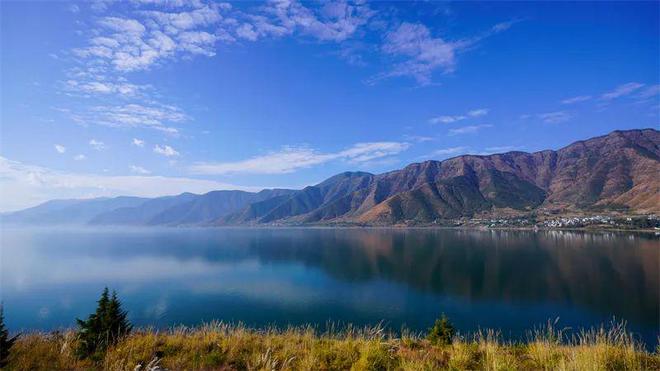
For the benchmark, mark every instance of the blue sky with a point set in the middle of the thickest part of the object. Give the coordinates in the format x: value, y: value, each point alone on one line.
x: 143, y: 98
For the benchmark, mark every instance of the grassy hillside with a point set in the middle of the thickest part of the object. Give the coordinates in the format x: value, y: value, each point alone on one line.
x: 234, y: 347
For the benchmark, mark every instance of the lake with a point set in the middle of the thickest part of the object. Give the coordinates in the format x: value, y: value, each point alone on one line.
x: 508, y: 280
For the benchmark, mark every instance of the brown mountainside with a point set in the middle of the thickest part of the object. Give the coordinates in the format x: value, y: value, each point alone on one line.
x: 620, y: 170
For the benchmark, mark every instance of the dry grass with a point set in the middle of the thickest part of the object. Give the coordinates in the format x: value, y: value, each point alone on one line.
x: 221, y: 346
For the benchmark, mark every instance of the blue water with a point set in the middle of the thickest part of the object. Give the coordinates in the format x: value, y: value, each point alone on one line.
x: 507, y: 280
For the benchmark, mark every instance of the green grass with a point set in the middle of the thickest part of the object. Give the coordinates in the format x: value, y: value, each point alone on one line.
x: 225, y: 346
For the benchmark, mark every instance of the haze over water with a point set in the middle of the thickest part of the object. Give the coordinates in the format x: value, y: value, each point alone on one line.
x: 509, y: 280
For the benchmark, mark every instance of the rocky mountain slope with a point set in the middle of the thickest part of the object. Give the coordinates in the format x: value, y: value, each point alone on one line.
x: 618, y: 171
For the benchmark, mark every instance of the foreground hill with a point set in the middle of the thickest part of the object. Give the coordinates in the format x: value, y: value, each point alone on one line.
x: 618, y: 171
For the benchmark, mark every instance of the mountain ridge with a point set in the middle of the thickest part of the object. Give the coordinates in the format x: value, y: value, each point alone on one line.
x: 616, y: 171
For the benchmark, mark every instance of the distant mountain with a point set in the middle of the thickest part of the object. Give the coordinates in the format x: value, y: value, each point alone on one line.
x: 618, y: 171
x: 69, y: 212
x: 320, y: 202
x: 185, y: 209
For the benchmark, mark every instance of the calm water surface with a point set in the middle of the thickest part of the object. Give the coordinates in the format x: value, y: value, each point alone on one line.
x: 481, y: 279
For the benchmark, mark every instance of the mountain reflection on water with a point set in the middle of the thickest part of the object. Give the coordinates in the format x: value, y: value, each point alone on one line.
x: 506, y: 279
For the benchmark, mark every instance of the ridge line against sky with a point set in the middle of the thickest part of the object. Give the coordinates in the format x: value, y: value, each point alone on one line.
x: 150, y: 98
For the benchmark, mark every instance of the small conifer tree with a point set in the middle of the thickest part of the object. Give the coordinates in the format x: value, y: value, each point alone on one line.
x: 103, y: 328
x: 442, y: 331
x: 6, y: 342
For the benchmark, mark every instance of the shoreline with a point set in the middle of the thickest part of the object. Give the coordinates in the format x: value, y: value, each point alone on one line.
x: 326, y: 226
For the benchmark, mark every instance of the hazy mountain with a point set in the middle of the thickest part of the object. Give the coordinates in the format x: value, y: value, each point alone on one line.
x: 186, y: 208
x: 142, y: 213
x: 69, y: 212
x: 620, y: 170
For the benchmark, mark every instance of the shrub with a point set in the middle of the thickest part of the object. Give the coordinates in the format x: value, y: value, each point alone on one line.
x: 442, y: 331
x: 103, y: 328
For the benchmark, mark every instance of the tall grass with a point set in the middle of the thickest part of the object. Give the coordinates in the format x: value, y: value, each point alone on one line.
x: 224, y: 346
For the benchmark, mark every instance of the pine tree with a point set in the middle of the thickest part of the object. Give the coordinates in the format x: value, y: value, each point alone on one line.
x: 5, y: 341
x: 442, y: 331
x: 104, y: 327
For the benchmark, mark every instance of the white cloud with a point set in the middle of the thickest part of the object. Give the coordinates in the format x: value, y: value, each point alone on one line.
x: 333, y: 21
x: 139, y: 169
x: 418, y: 138
x: 449, y: 119
x: 96, y: 144
x: 25, y: 185
x: 60, y: 148
x: 290, y: 159
x: 446, y: 152
x: 165, y: 150
x: 154, y: 116
x: 471, y: 129
x: 142, y: 39
x: 104, y: 87
x: 478, y: 112
x: 138, y: 142
x: 174, y: 22
x: 622, y: 90
x: 117, y: 24
x: 362, y: 152
x: 554, y: 117
x: 502, y: 149
x: 422, y: 52
x: 79, y: 157
x: 649, y: 92
x: 578, y: 99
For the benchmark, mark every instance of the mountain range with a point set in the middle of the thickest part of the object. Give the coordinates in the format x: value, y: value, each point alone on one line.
x: 619, y: 171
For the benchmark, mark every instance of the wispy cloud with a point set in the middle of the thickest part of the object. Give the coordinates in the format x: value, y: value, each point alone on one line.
x: 448, y: 119
x: 471, y: 129
x: 554, y: 117
x: 139, y: 170
x: 420, y: 54
x: 498, y: 149
x: 138, y: 142
x: 59, y: 148
x: 156, y: 116
x: 448, y: 152
x: 165, y: 150
x: 290, y: 159
x: 30, y: 185
x: 577, y: 99
x: 622, y: 90
x: 649, y: 92
x: 99, y: 85
x: 478, y: 112
x: 79, y: 157
x: 418, y: 138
